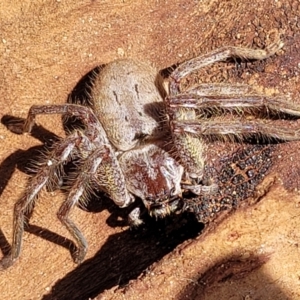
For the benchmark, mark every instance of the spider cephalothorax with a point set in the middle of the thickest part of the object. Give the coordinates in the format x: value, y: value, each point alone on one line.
x: 142, y: 140
x: 155, y: 178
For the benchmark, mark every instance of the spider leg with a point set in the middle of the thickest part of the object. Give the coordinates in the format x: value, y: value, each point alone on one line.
x: 85, y: 114
x: 57, y: 157
x: 134, y: 217
x: 78, y: 192
x: 239, y: 129
x: 190, y: 148
x: 199, y: 189
x: 234, y: 101
x: 212, y: 89
x: 221, y: 54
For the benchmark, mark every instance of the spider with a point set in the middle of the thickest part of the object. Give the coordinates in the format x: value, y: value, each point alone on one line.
x: 145, y: 137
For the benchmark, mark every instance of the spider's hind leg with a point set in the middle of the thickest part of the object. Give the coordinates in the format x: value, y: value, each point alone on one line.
x: 25, y: 204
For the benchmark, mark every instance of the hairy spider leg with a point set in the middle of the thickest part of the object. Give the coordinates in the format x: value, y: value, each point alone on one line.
x: 278, y: 104
x: 25, y: 204
x: 78, y: 192
x: 240, y: 129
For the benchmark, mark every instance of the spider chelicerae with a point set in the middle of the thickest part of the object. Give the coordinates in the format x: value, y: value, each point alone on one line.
x: 146, y: 137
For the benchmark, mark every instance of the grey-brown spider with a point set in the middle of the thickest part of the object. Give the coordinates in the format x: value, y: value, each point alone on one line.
x: 145, y: 138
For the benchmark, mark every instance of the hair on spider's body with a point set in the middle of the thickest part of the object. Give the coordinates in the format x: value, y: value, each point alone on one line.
x: 146, y: 137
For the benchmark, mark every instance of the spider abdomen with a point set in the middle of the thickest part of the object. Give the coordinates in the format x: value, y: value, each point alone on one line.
x: 128, y: 102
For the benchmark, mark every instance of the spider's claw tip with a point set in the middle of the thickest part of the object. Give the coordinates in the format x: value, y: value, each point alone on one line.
x: 6, y: 262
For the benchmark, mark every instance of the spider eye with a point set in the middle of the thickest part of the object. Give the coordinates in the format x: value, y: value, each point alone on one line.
x: 172, y: 190
x: 149, y: 199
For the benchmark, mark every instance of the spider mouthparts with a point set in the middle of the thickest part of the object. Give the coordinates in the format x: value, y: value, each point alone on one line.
x: 168, y: 206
